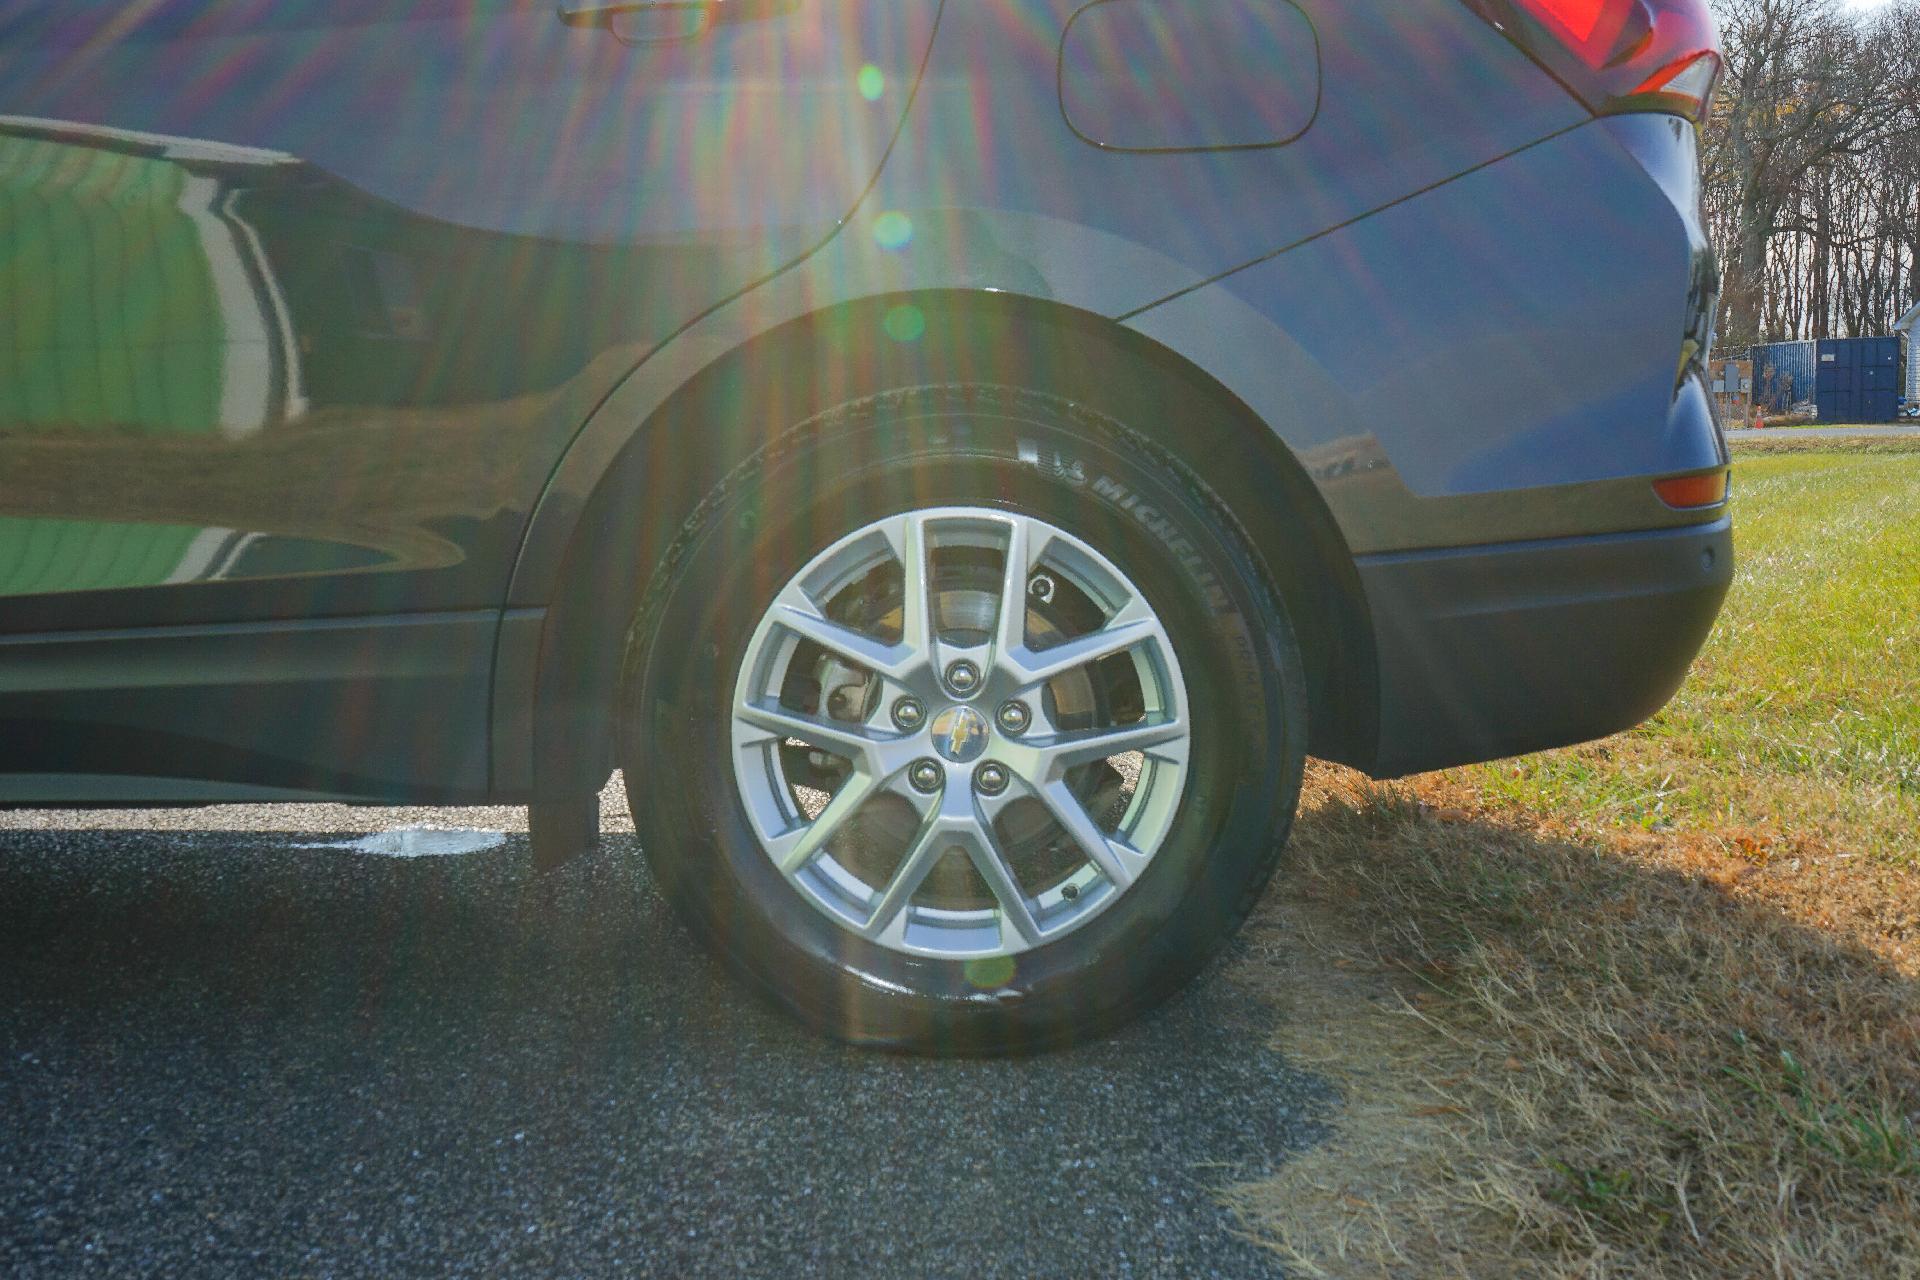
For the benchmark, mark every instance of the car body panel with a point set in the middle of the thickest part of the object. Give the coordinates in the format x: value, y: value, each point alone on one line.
x: 1365, y: 427
x: 300, y: 305
x: 329, y: 325
x: 1165, y: 75
x: 1413, y: 95
x: 988, y: 190
x: 1499, y: 650
x: 426, y: 275
x: 344, y: 708
x: 1518, y: 383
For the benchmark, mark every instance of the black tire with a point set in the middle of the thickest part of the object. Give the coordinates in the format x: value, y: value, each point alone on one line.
x: 953, y: 445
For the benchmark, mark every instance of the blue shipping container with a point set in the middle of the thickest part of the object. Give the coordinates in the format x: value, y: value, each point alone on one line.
x: 1858, y: 379
x: 1782, y: 375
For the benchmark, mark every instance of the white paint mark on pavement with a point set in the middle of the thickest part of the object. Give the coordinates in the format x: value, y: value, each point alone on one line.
x: 416, y: 842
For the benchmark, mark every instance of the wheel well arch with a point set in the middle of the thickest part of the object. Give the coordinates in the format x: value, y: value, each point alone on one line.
x: 744, y: 398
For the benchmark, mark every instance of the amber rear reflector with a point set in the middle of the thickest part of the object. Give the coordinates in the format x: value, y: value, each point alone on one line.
x: 1683, y: 492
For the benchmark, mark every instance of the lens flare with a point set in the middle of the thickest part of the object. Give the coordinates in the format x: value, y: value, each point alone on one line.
x: 988, y: 972
x: 905, y: 323
x: 893, y: 230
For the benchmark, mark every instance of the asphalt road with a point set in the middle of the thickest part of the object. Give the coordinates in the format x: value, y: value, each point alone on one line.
x: 232, y: 1047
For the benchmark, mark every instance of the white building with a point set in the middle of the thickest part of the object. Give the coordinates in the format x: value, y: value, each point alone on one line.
x: 1905, y: 326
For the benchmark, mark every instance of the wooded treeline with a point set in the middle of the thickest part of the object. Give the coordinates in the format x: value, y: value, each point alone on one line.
x: 1813, y: 168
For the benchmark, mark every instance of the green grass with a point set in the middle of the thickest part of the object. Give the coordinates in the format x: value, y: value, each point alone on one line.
x: 1801, y: 719
x: 1648, y: 1006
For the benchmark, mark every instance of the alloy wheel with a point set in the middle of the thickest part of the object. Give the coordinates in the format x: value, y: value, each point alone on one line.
x: 960, y: 732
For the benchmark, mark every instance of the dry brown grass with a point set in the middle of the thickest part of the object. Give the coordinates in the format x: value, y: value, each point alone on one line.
x: 1613, y: 1054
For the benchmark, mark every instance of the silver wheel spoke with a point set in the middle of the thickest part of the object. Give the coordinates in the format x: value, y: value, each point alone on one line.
x: 888, y: 921
x: 984, y: 850
x: 848, y: 740
x: 798, y: 615
x: 1115, y: 863
x: 941, y: 755
x: 1010, y: 627
x: 1030, y: 667
x: 797, y: 847
x: 908, y: 537
x: 1050, y: 758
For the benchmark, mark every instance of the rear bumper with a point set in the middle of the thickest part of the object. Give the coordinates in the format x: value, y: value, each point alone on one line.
x: 1494, y: 651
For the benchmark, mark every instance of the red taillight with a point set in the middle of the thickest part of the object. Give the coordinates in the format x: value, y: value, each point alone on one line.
x: 1620, y: 55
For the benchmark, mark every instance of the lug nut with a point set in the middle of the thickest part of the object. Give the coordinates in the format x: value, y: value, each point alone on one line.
x: 991, y: 778
x: 1015, y: 717
x: 925, y: 775
x: 963, y: 677
x: 909, y: 714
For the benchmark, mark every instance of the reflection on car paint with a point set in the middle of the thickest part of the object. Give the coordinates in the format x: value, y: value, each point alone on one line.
x: 353, y: 303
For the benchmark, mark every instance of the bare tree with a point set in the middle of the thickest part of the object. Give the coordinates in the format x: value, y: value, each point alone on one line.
x: 1813, y: 138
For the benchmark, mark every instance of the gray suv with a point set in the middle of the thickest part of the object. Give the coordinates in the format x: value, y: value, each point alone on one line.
x: 957, y: 457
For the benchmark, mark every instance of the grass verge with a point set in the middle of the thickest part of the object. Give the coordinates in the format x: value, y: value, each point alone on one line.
x: 1798, y: 731
x: 1565, y: 1056
x: 1649, y: 1007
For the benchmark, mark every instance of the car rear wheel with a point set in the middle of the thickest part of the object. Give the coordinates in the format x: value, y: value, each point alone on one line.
x: 962, y: 718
